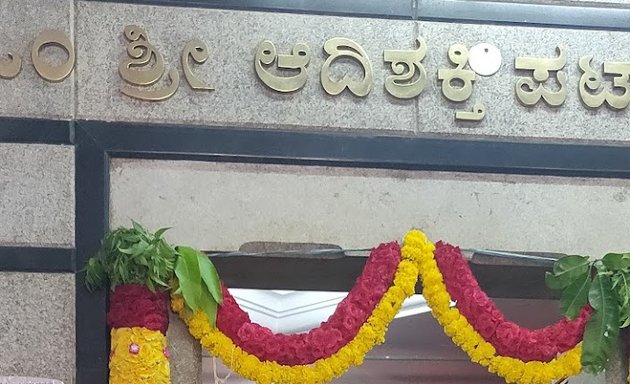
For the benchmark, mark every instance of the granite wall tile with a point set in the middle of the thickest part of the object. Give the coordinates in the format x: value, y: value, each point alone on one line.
x: 36, y: 194
x: 505, y: 115
x: 37, y: 325
x: 28, y: 95
x: 239, y: 97
x: 221, y: 206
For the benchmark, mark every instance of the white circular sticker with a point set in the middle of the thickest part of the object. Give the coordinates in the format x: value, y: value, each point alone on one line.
x: 485, y: 59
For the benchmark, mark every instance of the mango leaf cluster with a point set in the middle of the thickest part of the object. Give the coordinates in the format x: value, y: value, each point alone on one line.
x: 198, y: 282
x: 604, y: 285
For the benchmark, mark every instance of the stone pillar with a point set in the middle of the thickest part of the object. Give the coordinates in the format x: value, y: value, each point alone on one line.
x: 185, y: 353
x: 617, y: 372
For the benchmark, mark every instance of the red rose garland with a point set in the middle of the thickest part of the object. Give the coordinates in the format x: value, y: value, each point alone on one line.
x: 324, y: 341
x: 134, y: 305
x: 507, y: 337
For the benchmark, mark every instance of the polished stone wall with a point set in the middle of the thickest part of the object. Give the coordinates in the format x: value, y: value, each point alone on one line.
x: 231, y: 203
x: 37, y: 320
x: 28, y: 95
x: 37, y: 189
x: 37, y: 330
x: 240, y: 98
x: 220, y: 206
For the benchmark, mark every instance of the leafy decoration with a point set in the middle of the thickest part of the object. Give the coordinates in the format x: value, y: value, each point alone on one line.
x: 621, y: 285
x: 566, y: 270
x: 198, y: 282
x: 132, y: 255
x: 189, y: 277
x: 602, y: 330
x: 575, y: 296
x: 616, y: 261
x: 604, y: 285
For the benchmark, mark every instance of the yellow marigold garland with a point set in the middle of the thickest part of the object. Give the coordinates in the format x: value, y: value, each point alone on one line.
x: 456, y: 326
x: 266, y: 372
x: 146, y: 364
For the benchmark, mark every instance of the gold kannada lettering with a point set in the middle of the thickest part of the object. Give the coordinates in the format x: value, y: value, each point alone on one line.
x: 339, y: 47
x: 404, y: 65
x: 48, y: 72
x: 198, y: 51
x: 591, y: 81
x: 477, y: 114
x: 134, y: 69
x: 266, y: 56
x: 458, y: 55
x: 529, y: 91
x: 9, y: 69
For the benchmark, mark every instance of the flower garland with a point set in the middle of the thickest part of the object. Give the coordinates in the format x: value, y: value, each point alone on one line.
x: 323, y: 341
x: 138, y: 356
x: 138, y: 319
x: 507, y: 337
x: 370, y: 333
x: 456, y: 326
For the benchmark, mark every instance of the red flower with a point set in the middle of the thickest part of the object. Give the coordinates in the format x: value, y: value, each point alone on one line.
x: 509, y: 333
x: 488, y: 325
x: 507, y: 338
x: 134, y: 305
x: 325, y: 340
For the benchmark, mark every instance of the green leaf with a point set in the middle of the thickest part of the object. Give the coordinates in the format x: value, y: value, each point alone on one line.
x: 95, y: 274
x: 209, y: 306
x: 553, y: 282
x: 142, y: 260
x: 189, y: 276
x: 160, y: 232
x: 150, y: 285
x: 210, y: 277
x: 126, y: 251
x: 567, y: 269
x: 622, y: 287
x: 616, y: 261
x: 602, y: 330
x: 138, y: 227
x: 575, y: 296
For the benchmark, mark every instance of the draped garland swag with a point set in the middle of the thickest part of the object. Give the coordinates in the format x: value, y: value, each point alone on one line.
x: 138, y: 318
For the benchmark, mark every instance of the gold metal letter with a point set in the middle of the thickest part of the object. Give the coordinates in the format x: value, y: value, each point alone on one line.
x: 404, y: 65
x: 9, y: 70
x: 341, y: 47
x: 160, y: 94
x: 47, y: 38
x: 458, y: 55
x: 198, y: 51
x: 529, y: 91
x: 140, y: 52
x: 299, y: 58
x: 477, y: 114
x: 591, y: 81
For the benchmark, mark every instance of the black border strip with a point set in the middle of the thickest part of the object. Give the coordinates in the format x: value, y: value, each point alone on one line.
x: 353, y: 150
x: 35, y: 131
x: 91, y: 223
x: 390, y: 9
x: 576, y: 16
x: 36, y: 259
